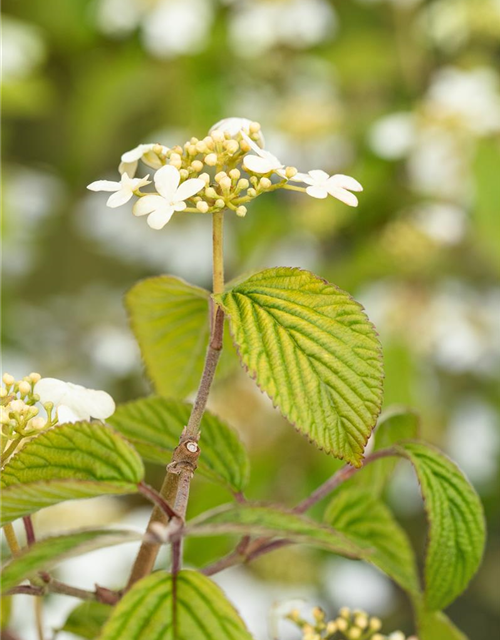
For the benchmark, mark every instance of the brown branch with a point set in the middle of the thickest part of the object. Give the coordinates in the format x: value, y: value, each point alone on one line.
x: 247, y: 552
x: 175, y: 489
x: 158, y: 500
x: 30, y: 532
x: 54, y: 586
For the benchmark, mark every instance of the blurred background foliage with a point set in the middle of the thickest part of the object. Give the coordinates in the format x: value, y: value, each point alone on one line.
x: 402, y: 94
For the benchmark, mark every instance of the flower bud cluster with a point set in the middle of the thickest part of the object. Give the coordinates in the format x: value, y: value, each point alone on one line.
x: 348, y: 625
x: 224, y: 170
x: 18, y: 411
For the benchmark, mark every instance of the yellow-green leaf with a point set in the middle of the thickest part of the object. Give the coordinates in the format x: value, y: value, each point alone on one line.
x: 312, y: 349
x: 275, y: 522
x: 153, y: 426
x: 196, y: 609
x: 87, y: 619
x: 69, y: 461
x: 456, y: 524
x: 367, y: 521
x: 45, y: 554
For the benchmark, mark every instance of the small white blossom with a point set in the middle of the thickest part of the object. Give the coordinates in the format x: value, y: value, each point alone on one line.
x: 321, y: 185
x: 145, y: 152
x: 263, y: 162
x: 170, y: 198
x: 124, y: 189
x: 74, y: 402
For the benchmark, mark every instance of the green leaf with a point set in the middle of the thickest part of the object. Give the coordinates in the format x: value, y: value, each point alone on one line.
x: 87, y: 619
x: 456, y: 524
x: 395, y: 425
x: 311, y: 348
x: 435, y: 625
x: 154, y: 424
x: 69, y: 461
x: 170, y: 320
x: 45, y: 554
x: 272, y: 521
x: 198, y: 610
x: 5, y: 611
x: 367, y: 521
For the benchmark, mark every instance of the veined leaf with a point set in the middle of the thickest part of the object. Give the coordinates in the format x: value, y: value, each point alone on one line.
x: 154, y: 424
x: 367, y: 521
x: 45, y: 554
x: 196, y: 609
x: 395, y: 425
x: 87, y: 619
x: 170, y: 319
x: 456, y: 524
x: 311, y: 348
x: 69, y: 461
x: 275, y: 522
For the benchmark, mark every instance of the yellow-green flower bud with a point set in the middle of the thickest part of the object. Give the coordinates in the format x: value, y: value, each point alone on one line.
x: 219, y: 176
x: 242, y: 184
x: 8, y: 379
x: 24, y: 388
x: 202, y: 206
x: 218, y: 136
x: 226, y: 183
x: 234, y: 174
x: 241, y: 211
x: 375, y: 624
x: 34, y: 377
x: 265, y: 183
x: 211, y: 159
x: 210, y: 192
x: 232, y: 147
x: 290, y: 172
x: 220, y: 204
x: 252, y: 193
x: 197, y: 165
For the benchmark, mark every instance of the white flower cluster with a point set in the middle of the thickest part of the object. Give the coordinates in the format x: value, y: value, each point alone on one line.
x: 226, y: 169
x: 61, y: 402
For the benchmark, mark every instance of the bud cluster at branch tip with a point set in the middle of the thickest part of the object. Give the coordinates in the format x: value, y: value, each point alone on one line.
x: 348, y: 625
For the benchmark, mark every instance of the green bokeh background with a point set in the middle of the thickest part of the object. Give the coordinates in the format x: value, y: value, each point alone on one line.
x: 80, y: 93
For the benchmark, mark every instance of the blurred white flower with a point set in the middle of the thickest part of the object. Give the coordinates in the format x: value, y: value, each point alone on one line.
x: 176, y: 27
x: 23, y: 48
x: 160, y: 208
x: 74, y: 402
x: 233, y: 126
x: 442, y: 222
x: 145, y: 152
x: 471, y: 97
x: 119, y: 17
x: 263, y: 162
x: 393, y: 136
x: 322, y: 185
x: 124, y: 189
x: 295, y: 23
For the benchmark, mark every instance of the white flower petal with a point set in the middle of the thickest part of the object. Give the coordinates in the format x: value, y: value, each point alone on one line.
x: 51, y: 390
x: 65, y: 414
x: 343, y: 195
x: 233, y: 126
x: 317, y: 192
x: 302, y: 177
x: 253, y: 145
x: 148, y: 204
x: 318, y: 175
x: 99, y: 404
x: 167, y: 180
x: 128, y: 167
x: 137, y: 183
x: 258, y: 165
x: 179, y: 206
x: 119, y: 198
x: 137, y: 153
x: 188, y: 189
x: 345, y: 182
x: 152, y: 160
x: 159, y: 218
x: 104, y: 185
